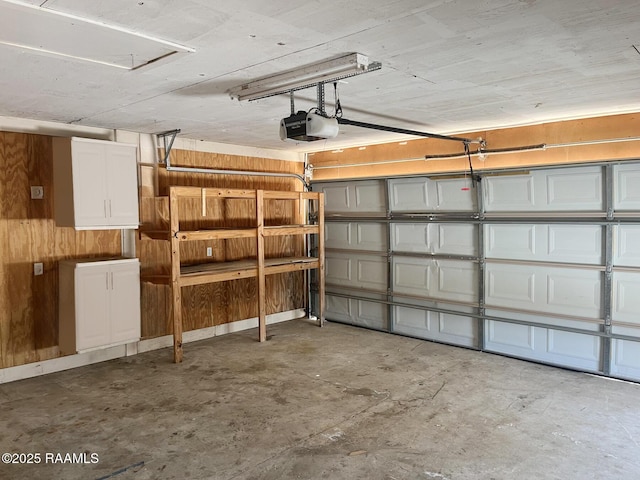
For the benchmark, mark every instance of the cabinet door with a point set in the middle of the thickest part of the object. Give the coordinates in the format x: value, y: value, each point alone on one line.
x: 89, y: 184
x: 92, y: 307
x: 124, y: 302
x: 122, y: 185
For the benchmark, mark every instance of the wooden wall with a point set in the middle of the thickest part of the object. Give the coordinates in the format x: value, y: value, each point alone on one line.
x: 214, y: 304
x: 28, y: 234
x: 371, y: 161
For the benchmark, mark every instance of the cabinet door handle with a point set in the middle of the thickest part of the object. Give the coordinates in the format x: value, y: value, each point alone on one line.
x: 110, y: 214
x: 111, y: 274
x: 106, y: 277
x: 104, y: 204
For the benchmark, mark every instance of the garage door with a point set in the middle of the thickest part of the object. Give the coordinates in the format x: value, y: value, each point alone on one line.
x: 541, y: 264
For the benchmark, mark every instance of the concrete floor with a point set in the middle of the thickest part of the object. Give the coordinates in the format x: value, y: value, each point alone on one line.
x: 335, y: 403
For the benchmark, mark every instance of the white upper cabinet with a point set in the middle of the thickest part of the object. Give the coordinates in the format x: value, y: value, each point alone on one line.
x: 95, y: 184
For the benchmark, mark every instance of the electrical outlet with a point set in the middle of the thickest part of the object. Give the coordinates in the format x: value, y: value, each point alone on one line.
x: 38, y: 268
x: 209, y: 252
x: 37, y: 192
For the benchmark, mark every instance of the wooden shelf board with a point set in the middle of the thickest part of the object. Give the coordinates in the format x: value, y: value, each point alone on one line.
x: 217, y: 234
x: 224, y: 271
x: 290, y: 230
x: 196, y: 192
x: 289, y: 264
x: 275, y: 195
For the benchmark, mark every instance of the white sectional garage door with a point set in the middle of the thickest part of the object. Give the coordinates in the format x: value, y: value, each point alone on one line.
x: 541, y: 264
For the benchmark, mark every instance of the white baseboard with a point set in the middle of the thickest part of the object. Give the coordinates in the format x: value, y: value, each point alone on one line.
x: 29, y: 370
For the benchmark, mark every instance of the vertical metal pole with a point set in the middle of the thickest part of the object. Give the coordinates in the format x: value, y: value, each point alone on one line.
x: 481, y: 263
x: 321, y: 261
x: 390, y: 307
x: 321, y: 98
x: 607, y: 283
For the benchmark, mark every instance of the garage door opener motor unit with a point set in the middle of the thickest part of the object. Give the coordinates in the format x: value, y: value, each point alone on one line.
x: 307, y: 127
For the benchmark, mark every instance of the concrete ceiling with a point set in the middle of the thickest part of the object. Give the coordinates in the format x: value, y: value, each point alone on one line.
x: 448, y: 66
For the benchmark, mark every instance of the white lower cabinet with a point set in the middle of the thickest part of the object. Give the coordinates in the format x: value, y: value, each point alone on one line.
x: 99, y: 303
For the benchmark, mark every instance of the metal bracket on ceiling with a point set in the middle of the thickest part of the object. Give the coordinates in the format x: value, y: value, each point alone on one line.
x: 168, y: 138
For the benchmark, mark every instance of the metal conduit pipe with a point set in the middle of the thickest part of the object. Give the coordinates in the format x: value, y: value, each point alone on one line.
x: 237, y: 172
x: 214, y: 171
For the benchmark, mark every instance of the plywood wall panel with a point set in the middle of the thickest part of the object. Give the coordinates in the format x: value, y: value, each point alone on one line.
x: 28, y: 234
x: 155, y: 310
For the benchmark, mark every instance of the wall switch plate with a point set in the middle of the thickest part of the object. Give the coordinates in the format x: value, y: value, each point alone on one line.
x: 38, y: 268
x: 209, y: 252
x: 37, y: 192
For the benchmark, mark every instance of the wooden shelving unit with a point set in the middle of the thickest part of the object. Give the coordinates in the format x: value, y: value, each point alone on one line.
x: 259, y: 267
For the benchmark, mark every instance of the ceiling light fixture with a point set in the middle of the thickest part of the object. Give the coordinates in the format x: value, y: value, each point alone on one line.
x: 307, y: 76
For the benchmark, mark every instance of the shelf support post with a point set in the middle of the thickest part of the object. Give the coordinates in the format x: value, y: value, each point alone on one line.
x: 176, y: 297
x: 262, y: 310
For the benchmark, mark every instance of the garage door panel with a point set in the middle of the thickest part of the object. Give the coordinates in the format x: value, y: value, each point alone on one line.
x: 510, y: 286
x: 509, y: 193
x: 543, y: 242
x: 511, y: 241
x: 409, y: 194
x: 562, y: 348
x: 372, y: 272
x: 353, y: 197
x: 445, y: 279
x: 370, y: 236
x: 455, y: 239
x: 569, y: 291
x: 626, y: 187
x: 411, y: 237
x: 434, y: 238
x: 338, y: 235
x: 569, y: 344
x: 625, y: 359
x: 572, y: 291
x: 457, y: 281
x: 356, y: 270
x: 371, y: 315
x: 455, y: 195
x: 339, y: 309
x: 449, y: 328
x: 577, y: 190
x: 356, y: 236
x: 509, y: 337
x: 412, y: 276
x: 369, y: 196
x: 575, y: 243
x: 428, y: 195
x: 337, y: 198
x: 626, y: 297
x: 338, y: 269
x: 456, y: 326
x: 574, y: 189
x: 627, y: 245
